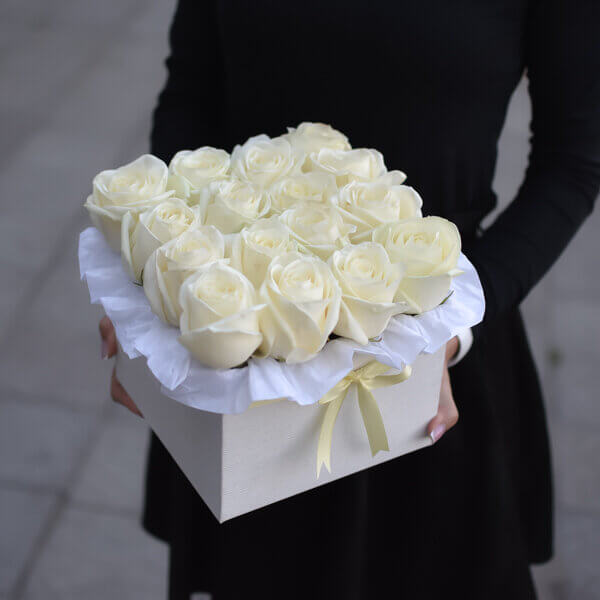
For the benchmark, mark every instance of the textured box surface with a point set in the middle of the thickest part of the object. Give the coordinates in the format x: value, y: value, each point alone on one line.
x: 238, y: 463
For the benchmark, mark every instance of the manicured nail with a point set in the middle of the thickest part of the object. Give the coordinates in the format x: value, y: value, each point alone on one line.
x: 437, y: 433
x: 104, y: 351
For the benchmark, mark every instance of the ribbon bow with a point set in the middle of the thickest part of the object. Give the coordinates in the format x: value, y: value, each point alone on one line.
x: 365, y: 379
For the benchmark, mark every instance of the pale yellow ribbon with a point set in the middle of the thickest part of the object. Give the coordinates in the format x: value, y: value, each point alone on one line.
x: 366, y: 378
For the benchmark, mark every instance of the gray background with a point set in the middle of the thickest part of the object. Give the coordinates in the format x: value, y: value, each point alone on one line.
x: 79, y: 80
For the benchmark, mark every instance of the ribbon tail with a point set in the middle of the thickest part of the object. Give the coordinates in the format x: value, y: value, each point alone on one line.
x: 325, y: 436
x: 372, y: 419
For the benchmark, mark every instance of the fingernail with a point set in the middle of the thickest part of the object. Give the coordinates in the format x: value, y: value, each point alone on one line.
x: 104, y: 351
x: 437, y: 433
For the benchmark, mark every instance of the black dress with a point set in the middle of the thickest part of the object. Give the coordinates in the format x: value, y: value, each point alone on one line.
x: 427, y: 83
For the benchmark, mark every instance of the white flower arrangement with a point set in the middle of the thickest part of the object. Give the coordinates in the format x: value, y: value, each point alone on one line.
x: 274, y: 249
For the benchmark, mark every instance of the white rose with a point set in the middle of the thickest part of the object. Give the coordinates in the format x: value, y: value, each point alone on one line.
x: 192, y: 170
x: 311, y: 137
x: 306, y: 187
x: 219, y: 319
x: 170, y: 264
x: 369, y: 284
x: 303, y: 304
x: 370, y: 204
x: 392, y: 178
x: 317, y: 228
x: 428, y: 249
x: 134, y: 187
x: 231, y: 205
x: 362, y: 164
x: 254, y: 247
x: 263, y: 161
x: 140, y: 237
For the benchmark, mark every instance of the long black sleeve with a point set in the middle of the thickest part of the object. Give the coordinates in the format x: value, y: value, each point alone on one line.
x: 190, y: 107
x: 561, y: 184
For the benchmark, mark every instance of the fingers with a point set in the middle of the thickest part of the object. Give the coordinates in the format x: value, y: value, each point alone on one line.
x: 109, y: 348
x: 120, y: 396
x: 109, y: 338
x: 447, y: 415
x: 452, y: 348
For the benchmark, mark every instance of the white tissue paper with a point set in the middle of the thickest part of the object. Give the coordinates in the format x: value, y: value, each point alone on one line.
x: 227, y: 391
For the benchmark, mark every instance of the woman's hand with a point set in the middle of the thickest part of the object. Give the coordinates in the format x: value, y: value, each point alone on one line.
x: 109, y: 349
x: 447, y: 414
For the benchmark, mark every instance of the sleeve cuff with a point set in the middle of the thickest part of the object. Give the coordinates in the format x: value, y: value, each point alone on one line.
x: 465, y: 340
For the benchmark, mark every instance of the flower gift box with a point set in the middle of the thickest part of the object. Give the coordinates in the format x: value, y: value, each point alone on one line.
x: 242, y: 462
x: 281, y: 311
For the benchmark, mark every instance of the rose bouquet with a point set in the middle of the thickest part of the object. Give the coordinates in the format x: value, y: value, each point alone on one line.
x: 274, y: 249
x: 293, y: 268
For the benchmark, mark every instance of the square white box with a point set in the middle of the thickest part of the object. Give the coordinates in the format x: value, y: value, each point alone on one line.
x: 239, y: 463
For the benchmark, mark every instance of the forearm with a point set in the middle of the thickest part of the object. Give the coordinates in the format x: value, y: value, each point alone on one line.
x: 524, y: 242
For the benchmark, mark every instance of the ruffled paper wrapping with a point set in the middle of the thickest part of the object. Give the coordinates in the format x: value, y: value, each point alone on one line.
x: 141, y: 333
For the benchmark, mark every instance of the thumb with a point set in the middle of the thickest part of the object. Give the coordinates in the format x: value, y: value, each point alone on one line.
x: 447, y: 415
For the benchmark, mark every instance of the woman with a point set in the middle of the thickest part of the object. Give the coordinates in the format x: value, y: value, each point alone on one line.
x: 427, y: 83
